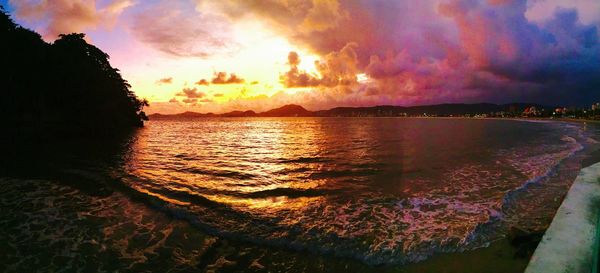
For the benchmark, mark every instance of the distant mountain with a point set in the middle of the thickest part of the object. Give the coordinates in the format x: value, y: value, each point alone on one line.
x: 184, y: 115
x: 456, y: 109
x: 290, y: 110
x: 248, y: 113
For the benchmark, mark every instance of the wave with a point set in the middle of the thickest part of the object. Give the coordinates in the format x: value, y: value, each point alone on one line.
x: 339, y: 233
x: 511, y: 195
x: 303, y: 160
x: 221, y: 220
x: 375, y: 227
x: 497, y: 225
x: 289, y: 192
x: 219, y: 173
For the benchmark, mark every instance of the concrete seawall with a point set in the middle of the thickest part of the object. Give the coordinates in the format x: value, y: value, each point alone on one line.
x: 568, y: 244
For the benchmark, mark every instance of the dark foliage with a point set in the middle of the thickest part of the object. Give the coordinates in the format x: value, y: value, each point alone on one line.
x: 64, y: 87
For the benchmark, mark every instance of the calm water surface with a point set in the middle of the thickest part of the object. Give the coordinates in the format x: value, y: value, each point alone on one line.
x: 285, y: 194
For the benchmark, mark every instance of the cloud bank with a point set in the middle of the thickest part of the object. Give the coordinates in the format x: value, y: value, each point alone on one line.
x: 436, y: 51
x: 371, y: 52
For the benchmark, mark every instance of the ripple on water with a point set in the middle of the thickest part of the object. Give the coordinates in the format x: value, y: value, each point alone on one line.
x: 380, y: 191
x: 390, y: 196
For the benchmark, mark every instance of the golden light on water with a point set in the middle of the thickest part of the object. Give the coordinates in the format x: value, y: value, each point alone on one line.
x: 290, y: 135
x: 276, y: 202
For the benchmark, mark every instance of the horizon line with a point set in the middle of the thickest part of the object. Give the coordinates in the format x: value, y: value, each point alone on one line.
x: 372, y: 106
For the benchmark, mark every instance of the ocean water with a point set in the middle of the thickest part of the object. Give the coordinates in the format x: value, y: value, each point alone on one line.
x: 283, y: 194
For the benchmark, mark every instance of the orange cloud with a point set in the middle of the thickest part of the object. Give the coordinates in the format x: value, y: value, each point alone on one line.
x: 335, y: 69
x: 323, y: 15
x: 296, y: 77
x: 190, y: 100
x: 221, y: 78
x: 202, y: 82
x: 191, y: 95
x: 168, y: 80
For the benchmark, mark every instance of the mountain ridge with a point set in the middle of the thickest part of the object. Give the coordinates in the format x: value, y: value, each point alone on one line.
x: 445, y: 109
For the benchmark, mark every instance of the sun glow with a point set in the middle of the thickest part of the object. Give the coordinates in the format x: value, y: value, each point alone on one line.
x: 259, y: 57
x: 342, y: 53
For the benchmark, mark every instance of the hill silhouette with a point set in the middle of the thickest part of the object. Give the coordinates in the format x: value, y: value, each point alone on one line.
x: 454, y: 109
x: 446, y: 109
x: 248, y: 113
x: 65, y: 87
x: 290, y: 110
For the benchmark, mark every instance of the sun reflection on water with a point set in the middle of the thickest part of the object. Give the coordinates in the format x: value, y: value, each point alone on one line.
x: 377, y: 187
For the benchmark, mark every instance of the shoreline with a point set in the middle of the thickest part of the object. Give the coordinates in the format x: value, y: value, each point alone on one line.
x: 595, y: 121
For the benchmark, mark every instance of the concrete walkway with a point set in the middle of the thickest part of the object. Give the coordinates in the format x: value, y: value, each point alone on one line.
x: 568, y: 244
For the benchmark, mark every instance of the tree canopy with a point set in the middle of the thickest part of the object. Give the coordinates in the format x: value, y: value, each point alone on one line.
x: 67, y: 85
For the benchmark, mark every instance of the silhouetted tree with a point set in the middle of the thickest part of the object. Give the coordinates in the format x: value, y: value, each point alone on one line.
x: 67, y: 86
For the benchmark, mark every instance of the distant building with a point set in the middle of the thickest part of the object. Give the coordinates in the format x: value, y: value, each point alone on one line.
x: 596, y: 106
x: 531, y: 112
x: 560, y: 111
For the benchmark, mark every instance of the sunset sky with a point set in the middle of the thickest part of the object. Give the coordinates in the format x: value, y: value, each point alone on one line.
x: 217, y: 56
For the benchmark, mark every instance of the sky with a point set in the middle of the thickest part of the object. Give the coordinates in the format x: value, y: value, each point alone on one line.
x: 219, y: 56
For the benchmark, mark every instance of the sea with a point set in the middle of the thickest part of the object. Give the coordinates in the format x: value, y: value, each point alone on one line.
x: 288, y: 195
